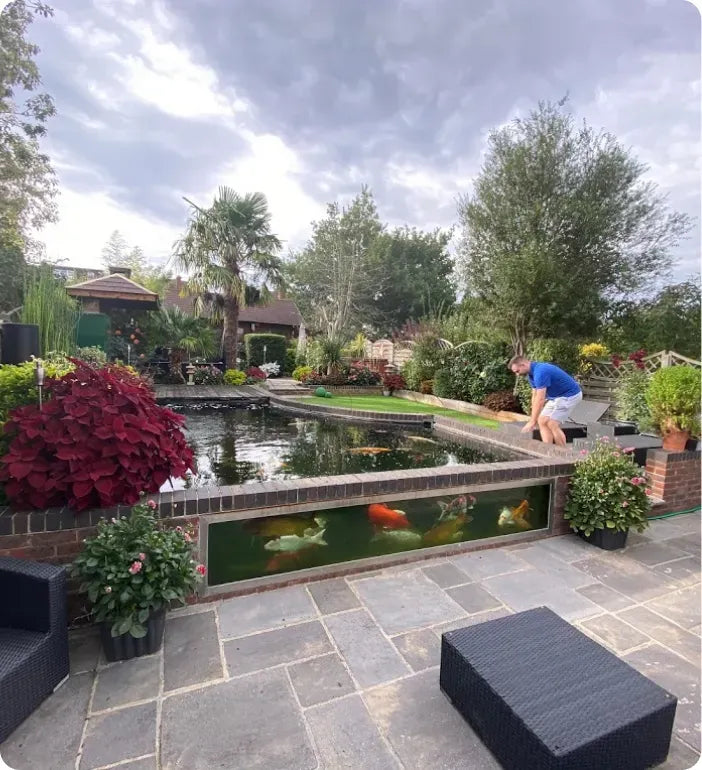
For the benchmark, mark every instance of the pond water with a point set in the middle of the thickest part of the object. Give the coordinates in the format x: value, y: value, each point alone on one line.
x: 239, y: 446
x: 238, y: 550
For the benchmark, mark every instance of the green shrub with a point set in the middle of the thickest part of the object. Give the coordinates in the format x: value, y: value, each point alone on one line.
x: 673, y: 397
x: 275, y: 348
x: 234, y: 377
x: 290, y: 360
x: 630, y: 397
x: 18, y: 382
x: 607, y: 490
x: 208, y: 375
x: 426, y: 358
x: 442, y: 383
x: 479, y: 368
x: 300, y: 372
x: 92, y: 355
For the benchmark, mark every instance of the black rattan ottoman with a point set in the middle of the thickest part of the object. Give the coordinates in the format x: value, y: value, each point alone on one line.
x: 541, y: 694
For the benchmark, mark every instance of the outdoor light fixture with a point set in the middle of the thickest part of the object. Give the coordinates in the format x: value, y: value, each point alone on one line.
x: 190, y: 369
x: 39, y: 377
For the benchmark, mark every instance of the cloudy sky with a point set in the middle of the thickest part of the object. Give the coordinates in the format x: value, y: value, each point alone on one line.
x: 306, y: 100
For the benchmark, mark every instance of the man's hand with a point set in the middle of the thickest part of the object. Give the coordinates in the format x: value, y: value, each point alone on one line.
x: 529, y: 427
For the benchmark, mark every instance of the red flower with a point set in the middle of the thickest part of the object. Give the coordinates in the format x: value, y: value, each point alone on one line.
x: 201, y: 569
x: 142, y: 556
x: 152, y: 505
x: 136, y: 567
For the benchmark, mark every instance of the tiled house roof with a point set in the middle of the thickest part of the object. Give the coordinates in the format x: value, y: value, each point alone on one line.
x: 110, y: 287
x: 279, y: 312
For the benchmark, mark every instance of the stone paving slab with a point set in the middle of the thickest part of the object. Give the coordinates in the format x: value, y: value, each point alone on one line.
x: 370, y: 656
x: 191, y: 651
x: 406, y: 601
x: 263, y: 611
x: 424, y: 729
x: 350, y: 665
x: 116, y: 735
x: 347, y: 738
x: 320, y: 679
x: 252, y: 722
x: 333, y: 596
x: 127, y: 682
x: 271, y: 648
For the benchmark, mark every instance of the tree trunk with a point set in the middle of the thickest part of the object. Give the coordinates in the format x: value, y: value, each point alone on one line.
x: 175, y: 368
x: 230, y: 335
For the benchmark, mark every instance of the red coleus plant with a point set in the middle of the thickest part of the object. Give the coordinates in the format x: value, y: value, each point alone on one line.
x: 99, y: 440
x: 254, y: 373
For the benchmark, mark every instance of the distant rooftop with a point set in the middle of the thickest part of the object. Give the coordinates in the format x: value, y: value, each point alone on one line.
x: 115, y: 286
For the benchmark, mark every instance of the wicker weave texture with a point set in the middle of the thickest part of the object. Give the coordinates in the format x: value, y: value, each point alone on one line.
x: 543, y: 695
x: 33, y: 637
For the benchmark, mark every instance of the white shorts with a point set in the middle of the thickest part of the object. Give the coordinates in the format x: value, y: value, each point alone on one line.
x: 559, y: 409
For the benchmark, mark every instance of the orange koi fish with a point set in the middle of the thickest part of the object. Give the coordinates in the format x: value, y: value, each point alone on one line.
x: 447, y: 531
x: 382, y: 516
x: 515, y: 517
x: 288, y: 560
x: 368, y: 450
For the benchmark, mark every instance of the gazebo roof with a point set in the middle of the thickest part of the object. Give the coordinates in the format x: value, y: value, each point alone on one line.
x: 114, y: 287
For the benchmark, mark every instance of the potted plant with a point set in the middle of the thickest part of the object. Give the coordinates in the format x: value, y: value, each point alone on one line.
x: 132, y: 570
x: 607, y: 496
x: 673, y: 396
x: 393, y: 382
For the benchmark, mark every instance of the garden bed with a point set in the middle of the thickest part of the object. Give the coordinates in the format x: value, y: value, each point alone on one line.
x: 349, y: 390
x: 459, y: 406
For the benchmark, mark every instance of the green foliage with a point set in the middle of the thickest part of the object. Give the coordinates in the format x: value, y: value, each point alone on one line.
x: 441, y: 386
x: 415, y: 272
x: 535, y: 275
x: 300, y: 372
x: 630, y: 397
x: 290, y: 360
x: 334, y: 278
x: 135, y: 566
x: 47, y: 305
x: 207, y: 375
x: 476, y: 369
x: 426, y: 358
x: 275, y: 348
x: 670, y: 320
x: 607, y: 490
x: 27, y: 183
x: 673, y: 397
x: 222, y: 245
x: 92, y: 355
x: 181, y: 334
x: 234, y: 377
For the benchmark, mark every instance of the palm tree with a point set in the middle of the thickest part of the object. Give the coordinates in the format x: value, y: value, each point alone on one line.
x: 182, y: 334
x: 227, y: 247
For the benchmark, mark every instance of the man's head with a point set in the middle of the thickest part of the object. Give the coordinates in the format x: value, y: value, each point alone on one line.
x: 519, y: 365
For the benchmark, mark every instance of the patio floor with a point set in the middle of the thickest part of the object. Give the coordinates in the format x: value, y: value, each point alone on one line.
x: 344, y: 673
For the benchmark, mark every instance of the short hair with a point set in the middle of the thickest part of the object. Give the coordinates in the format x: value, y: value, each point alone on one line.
x: 516, y: 360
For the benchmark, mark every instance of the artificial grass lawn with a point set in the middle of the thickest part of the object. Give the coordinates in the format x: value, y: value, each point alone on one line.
x: 400, y: 405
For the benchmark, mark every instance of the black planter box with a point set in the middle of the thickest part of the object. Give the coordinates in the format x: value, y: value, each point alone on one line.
x: 125, y: 646
x: 607, y: 539
x: 543, y: 696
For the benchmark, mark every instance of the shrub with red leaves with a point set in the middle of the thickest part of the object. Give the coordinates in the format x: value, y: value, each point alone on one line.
x: 100, y: 440
x: 254, y: 373
x: 502, y: 401
x: 394, y: 382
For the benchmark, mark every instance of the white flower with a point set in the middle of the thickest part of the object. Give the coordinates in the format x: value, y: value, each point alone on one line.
x: 270, y: 369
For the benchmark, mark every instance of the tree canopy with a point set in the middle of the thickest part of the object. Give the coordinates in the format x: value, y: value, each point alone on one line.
x: 560, y: 223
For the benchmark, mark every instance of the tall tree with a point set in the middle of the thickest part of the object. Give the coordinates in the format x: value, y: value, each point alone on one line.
x: 417, y: 271
x: 333, y: 277
x: 225, y: 247
x: 560, y: 222
x: 114, y: 252
x: 27, y: 184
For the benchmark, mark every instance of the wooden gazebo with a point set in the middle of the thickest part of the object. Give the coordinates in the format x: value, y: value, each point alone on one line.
x: 111, y: 292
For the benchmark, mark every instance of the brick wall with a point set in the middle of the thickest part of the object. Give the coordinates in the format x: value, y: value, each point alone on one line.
x: 674, y: 477
x: 560, y: 494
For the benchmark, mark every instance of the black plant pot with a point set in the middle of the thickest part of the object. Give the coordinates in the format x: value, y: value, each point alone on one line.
x: 125, y: 646
x: 607, y: 539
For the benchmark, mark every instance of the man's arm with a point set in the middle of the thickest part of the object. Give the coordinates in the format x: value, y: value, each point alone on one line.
x: 538, y: 399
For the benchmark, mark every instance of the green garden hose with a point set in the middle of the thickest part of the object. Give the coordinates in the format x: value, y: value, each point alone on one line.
x: 676, y: 513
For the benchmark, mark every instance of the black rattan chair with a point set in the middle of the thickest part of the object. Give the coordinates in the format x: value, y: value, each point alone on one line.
x: 33, y: 637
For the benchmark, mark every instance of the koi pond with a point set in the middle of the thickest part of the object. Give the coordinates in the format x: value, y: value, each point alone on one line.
x: 238, y: 446
x: 251, y: 548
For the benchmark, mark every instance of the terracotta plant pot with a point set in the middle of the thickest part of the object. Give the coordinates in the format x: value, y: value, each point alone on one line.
x: 675, y: 440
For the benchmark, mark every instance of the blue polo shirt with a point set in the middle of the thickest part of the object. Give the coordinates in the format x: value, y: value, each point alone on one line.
x: 558, y: 384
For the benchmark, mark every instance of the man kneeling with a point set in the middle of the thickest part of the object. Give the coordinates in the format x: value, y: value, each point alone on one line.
x: 554, y: 395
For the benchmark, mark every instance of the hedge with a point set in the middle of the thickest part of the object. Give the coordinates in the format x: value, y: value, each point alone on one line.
x: 275, y: 349
x: 478, y: 369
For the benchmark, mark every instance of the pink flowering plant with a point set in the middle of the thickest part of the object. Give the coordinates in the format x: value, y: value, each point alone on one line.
x: 608, y: 490
x: 135, y: 566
